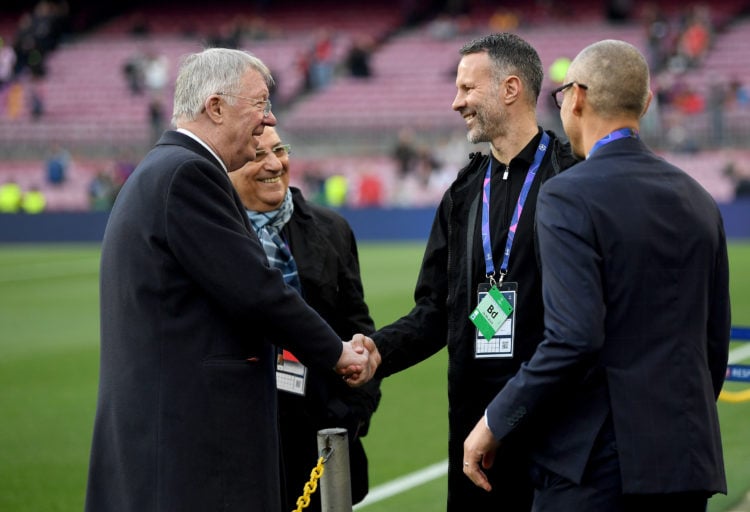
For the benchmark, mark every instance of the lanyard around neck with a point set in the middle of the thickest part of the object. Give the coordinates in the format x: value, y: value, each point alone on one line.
x: 622, y: 133
x: 486, y: 242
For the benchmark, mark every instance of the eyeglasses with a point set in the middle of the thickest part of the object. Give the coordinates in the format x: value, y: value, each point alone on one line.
x: 562, y: 88
x: 280, y: 150
x: 266, y: 104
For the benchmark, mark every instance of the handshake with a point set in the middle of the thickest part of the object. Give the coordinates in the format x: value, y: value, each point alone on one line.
x: 358, y: 361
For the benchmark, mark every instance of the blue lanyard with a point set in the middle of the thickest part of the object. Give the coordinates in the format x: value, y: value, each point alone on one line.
x: 486, y: 243
x: 622, y: 133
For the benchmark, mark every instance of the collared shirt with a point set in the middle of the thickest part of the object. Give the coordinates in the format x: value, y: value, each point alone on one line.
x: 197, y: 139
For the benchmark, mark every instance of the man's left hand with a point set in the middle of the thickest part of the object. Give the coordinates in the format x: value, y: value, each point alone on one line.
x: 479, y: 449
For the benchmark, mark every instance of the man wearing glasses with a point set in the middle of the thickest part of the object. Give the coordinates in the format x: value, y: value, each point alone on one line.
x: 637, y: 316
x: 315, y: 250
x: 191, y: 311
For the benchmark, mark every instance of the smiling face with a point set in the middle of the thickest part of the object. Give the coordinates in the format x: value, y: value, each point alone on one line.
x: 262, y: 183
x: 245, y: 121
x: 478, y: 98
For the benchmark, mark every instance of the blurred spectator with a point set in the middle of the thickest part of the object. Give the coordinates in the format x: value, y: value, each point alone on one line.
x: 133, y: 72
x: 124, y: 166
x: 38, y: 33
x: 155, y: 72
x: 139, y: 26
x: 688, y: 100
x: 156, y: 118
x: 742, y: 189
x: 36, y: 99
x: 426, y: 163
x: 228, y: 35
x: 335, y: 190
x: 504, y: 20
x: 740, y: 179
x: 405, y: 152
x: 715, y: 104
x: 358, y: 59
x: 303, y: 62
x: 57, y: 165
x: 33, y: 201
x: 10, y: 197
x: 7, y: 62
x: 694, y: 41
x: 322, y: 62
x: 443, y: 27
x: 618, y: 10
x: 657, y: 31
x: 370, y: 193
x: 313, y: 180
x: 14, y: 101
x: 679, y: 139
x: 102, y: 191
x: 737, y: 94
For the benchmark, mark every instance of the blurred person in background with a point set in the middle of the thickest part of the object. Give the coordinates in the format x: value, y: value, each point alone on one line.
x: 621, y: 395
x: 11, y: 196
x: 315, y: 249
x: 499, y: 79
x: 57, y: 165
x: 192, y: 313
x: 33, y: 201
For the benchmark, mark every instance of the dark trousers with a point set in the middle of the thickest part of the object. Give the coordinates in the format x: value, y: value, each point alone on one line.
x: 601, y: 489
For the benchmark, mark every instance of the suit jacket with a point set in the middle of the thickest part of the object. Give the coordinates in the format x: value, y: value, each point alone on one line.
x: 637, y: 324
x: 187, y: 410
x: 327, y: 259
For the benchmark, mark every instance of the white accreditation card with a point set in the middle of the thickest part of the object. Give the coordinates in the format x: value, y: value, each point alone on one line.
x: 291, y: 375
x: 500, y: 344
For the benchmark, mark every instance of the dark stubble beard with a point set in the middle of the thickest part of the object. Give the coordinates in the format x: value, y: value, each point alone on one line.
x: 489, y: 123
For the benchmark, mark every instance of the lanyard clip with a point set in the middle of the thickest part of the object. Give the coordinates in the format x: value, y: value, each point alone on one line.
x: 503, y: 273
x: 491, y: 277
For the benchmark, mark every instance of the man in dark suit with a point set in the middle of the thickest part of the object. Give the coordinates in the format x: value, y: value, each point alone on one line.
x: 315, y: 249
x: 621, y: 395
x: 186, y: 417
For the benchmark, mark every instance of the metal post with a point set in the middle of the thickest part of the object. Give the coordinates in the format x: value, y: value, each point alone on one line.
x: 335, y: 484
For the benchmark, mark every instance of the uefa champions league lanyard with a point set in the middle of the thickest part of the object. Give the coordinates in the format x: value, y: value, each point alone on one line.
x: 622, y: 133
x: 486, y: 243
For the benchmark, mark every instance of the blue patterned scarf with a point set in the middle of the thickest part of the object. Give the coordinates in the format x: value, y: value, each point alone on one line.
x: 268, y: 226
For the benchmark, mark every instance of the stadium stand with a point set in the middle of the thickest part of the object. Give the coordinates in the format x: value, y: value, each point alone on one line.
x: 350, y: 126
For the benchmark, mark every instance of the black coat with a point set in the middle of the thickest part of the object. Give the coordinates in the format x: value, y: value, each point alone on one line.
x: 187, y: 411
x: 325, y: 252
x: 636, y: 290
x: 446, y: 293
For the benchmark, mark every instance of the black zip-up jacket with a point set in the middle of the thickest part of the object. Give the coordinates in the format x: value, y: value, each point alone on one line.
x: 446, y: 293
x: 327, y: 259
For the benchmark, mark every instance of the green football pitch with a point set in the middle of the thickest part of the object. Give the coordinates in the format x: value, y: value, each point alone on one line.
x: 49, y: 366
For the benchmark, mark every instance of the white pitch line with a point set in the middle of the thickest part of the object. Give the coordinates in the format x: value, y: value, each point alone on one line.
x: 404, y: 483
x: 739, y: 354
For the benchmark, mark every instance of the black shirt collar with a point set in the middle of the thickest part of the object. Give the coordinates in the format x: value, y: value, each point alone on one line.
x: 525, y: 158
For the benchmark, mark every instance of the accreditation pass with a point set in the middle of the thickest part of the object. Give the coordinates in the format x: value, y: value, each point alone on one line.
x: 494, y: 318
x: 291, y: 375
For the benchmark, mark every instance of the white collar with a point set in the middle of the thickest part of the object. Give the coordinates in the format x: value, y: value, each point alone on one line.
x: 197, y: 139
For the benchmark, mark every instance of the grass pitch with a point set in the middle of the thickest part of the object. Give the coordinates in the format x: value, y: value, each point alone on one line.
x: 49, y: 370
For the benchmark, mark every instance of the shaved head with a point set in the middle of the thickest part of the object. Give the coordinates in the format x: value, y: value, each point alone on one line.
x: 617, y: 77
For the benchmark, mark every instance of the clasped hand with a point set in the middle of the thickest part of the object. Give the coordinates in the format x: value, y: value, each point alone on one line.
x: 358, y: 361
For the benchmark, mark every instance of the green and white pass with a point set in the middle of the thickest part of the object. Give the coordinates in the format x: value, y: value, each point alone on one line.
x: 491, y: 312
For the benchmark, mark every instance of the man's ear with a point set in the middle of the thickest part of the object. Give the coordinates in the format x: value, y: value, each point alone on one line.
x: 578, y: 97
x: 214, y: 107
x: 510, y: 89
